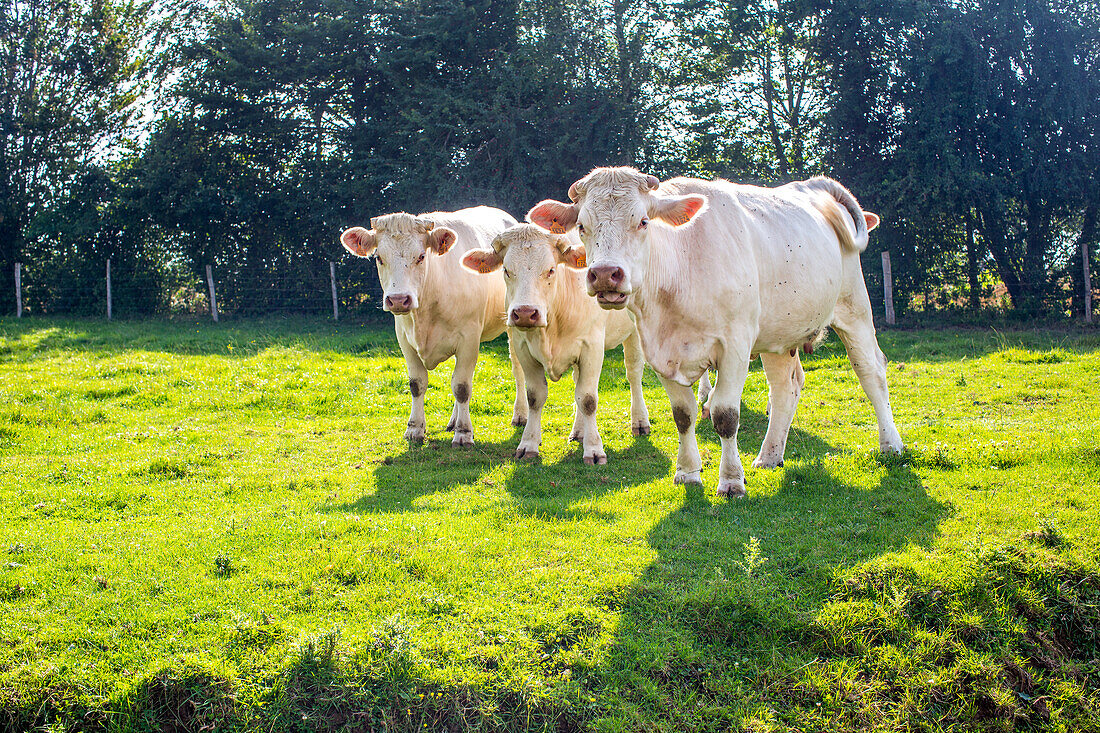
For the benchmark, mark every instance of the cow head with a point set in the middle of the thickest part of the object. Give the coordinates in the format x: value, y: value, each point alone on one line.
x: 615, y: 211
x: 401, y: 245
x: 533, y: 259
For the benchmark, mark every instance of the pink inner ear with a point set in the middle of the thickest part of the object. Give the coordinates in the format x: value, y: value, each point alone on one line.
x: 680, y: 212
x: 555, y: 216
x: 357, y: 240
x: 442, y: 239
x: 871, y: 219
x: 575, y: 258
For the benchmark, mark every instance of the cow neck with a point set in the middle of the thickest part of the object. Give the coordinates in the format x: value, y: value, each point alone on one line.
x: 559, y: 310
x: 428, y: 313
x: 664, y: 281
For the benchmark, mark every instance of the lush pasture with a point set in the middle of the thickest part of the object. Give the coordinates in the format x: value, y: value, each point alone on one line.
x: 222, y: 526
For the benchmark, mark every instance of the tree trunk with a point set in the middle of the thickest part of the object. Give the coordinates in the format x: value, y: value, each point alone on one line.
x: 1033, y: 274
x: 974, y: 287
x: 993, y: 234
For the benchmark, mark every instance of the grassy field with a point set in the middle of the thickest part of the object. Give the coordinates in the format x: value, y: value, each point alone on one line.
x: 220, y: 528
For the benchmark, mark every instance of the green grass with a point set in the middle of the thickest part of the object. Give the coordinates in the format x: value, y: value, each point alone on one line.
x: 221, y: 526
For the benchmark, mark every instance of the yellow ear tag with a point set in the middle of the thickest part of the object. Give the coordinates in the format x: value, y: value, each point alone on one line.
x: 582, y: 260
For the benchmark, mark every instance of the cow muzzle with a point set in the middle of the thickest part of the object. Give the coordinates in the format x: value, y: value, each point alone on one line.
x: 525, y: 316
x: 399, y: 303
x: 608, y: 284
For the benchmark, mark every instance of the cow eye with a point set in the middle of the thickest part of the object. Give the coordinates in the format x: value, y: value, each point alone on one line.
x: 643, y: 223
x: 506, y: 273
x: 379, y: 260
x: 550, y: 272
x: 580, y: 228
x: 421, y: 257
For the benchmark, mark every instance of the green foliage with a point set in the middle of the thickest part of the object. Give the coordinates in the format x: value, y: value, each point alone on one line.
x: 221, y: 525
x: 71, y: 75
x: 967, y: 126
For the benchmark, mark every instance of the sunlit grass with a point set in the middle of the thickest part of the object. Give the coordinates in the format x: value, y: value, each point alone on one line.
x: 221, y: 523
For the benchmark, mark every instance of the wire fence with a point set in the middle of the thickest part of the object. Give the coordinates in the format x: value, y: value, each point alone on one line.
x: 328, y: 289
x: 331, y: 289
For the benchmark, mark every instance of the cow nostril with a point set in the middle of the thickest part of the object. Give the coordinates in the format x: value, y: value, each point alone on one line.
x: 592, y: 276
x: 534, y: 315
x: 617, y: 275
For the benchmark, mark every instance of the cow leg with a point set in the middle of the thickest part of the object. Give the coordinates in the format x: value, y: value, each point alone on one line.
x: 418, y: 385
x: 704, y: 395
x: 725, y: 414
x: 785, y: 379
x: 586, y: 378
x: 576, y: 433
x: 853, y: 324
x: 635, y: 365
x: 688, y: 461
x: 461, y: 387
x: 534, y: 377
x: 519, y: 409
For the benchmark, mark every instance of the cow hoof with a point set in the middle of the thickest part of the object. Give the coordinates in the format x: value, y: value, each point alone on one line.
x: 596, y: 459
x: 731, y: 489
x: 527, y: 453
x: 892, y: 448
x: 687, y: 477
x: 519, y: 420
x: 704, y: 414
x: 463, y: 439
x: 415, y: 435
x: 640, y: 429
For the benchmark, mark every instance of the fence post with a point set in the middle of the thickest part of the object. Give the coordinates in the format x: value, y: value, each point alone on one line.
x: 108, y: 288
x: 888, y: 288
x: 213, y: 298
x: 1088, y: 281
x: 335, y: 303
x: 18, y: 290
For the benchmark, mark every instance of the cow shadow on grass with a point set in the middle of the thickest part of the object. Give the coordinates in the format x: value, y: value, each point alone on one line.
x: 555, y: 491
x: 737, y: 585
x: 537, y: 488
x: 435, y: 467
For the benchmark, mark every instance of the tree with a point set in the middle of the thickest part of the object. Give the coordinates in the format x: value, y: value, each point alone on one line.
x: 71, y: 75
x: 752, y: 84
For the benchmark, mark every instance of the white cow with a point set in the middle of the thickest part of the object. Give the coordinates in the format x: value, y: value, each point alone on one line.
x: 553, y: 326
x: 440, y: 309
x: 757, y: 271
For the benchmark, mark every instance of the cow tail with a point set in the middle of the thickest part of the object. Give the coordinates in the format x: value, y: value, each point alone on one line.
x: 833, y: 214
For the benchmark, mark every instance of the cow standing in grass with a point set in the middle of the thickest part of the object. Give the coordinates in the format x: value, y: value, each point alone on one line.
x: 715, y: 272
x: 440, y: 309
x: 553, y: 326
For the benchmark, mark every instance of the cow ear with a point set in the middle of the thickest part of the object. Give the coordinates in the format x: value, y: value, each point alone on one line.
x: 676, y: 210
x: 359, y: 241
x: 482, y: 260
x: 555, y: 216
x: 871, y: 219
x: 440, y: 239
x: 573, y: 256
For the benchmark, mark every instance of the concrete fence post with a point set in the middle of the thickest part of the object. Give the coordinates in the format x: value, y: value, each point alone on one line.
x: 213, y: 297
x: 335, y: 302
x: 108, y: 288
x: 18, y: 290
x: 1088, y: 281
x: 888, y: 288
